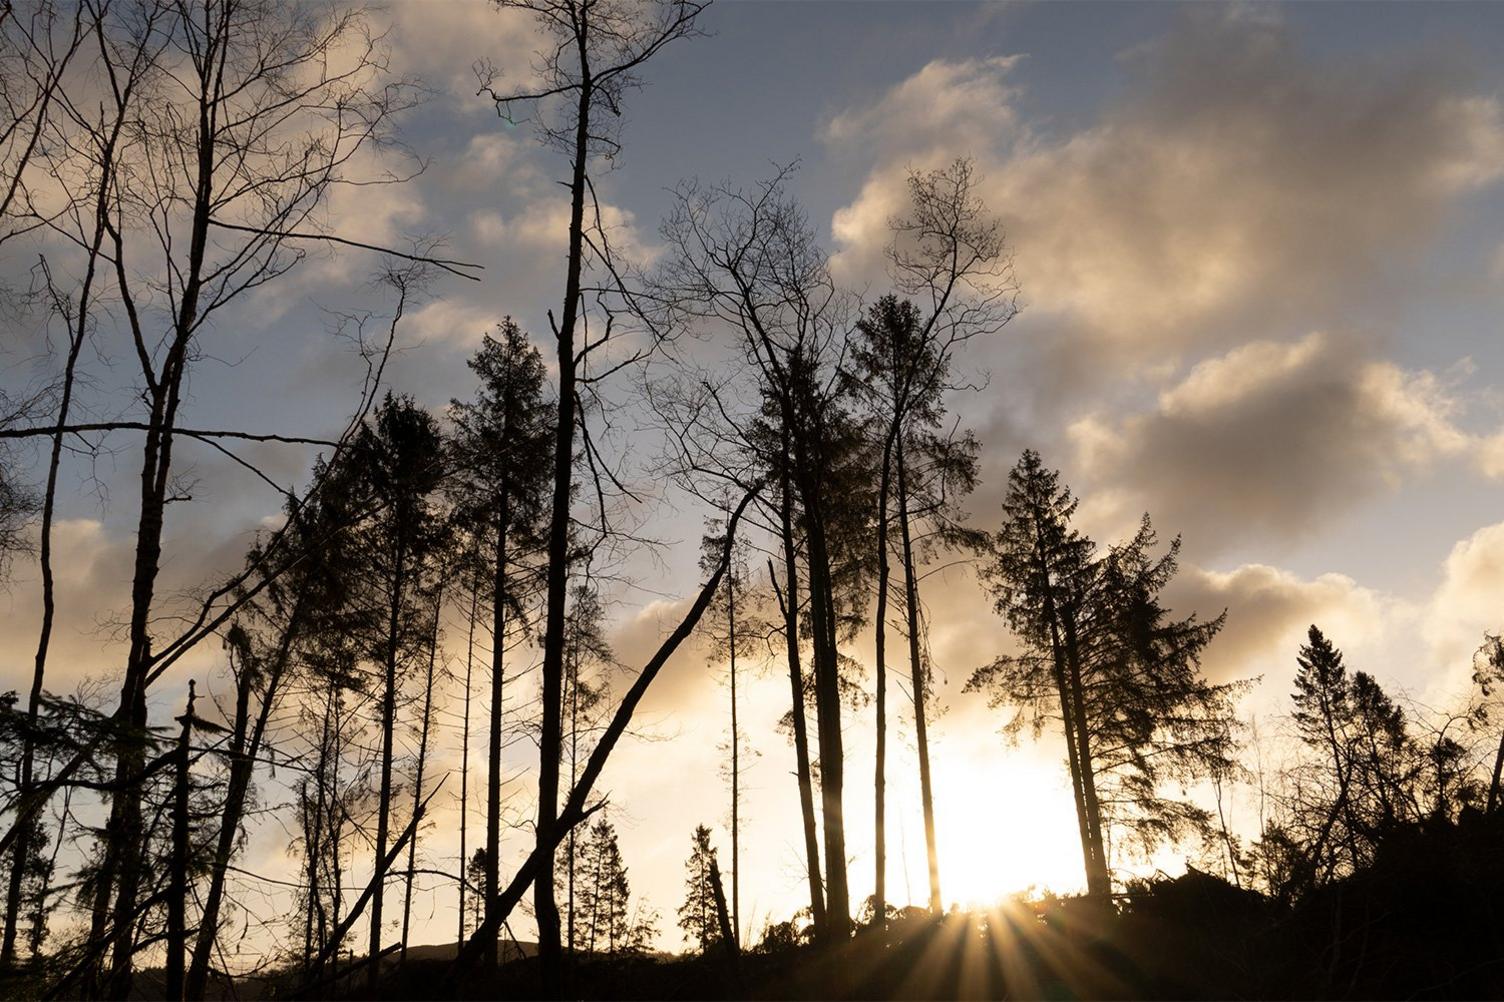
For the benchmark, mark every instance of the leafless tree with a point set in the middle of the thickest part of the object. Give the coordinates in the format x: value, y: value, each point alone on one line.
x: 596, y: 50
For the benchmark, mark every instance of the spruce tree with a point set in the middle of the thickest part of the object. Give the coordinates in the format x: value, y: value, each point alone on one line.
x: 697, y: 915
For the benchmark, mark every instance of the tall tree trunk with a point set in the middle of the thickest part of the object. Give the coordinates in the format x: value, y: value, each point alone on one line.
x: 880, y: 644
x: 827, y: 719
x: 736, y: 887
x: 388, y: 727
x: 796, y: 685
x: 125, y: 839
x: 919, y: 679
x: 465, y: 760
x: 78, y: 330
x: 574, y: 760
x: 550, y: 739
x: 1099, y: 882
x: 412, y: 845
x: 315, y: 842
x: 177, y: 888
x: 493, y: 745
x: 1067, y: 714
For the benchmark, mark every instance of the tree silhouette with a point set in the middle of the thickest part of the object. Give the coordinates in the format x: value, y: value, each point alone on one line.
x: 697, y: 915
x: 596, y: 51
x: 1103, y: 657
x: 501, y: 454
x: 397, y: 459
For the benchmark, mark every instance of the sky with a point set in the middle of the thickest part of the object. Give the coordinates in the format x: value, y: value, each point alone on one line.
x: 1261, y: 257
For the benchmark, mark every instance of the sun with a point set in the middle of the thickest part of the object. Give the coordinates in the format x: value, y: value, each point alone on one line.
x: 1009, y: 826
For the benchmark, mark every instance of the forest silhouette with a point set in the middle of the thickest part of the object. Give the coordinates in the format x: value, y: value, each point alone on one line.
x: 168, y: 160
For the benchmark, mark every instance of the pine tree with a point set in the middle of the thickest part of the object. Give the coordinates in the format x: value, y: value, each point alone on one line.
x: 697, y: 915
x: 398, y: 461
x: 502, y: 455
x: 1040, y: 575
x: 1105, y: 658
x: 606, y: 923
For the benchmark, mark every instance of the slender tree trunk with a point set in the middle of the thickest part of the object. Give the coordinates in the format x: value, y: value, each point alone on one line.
x: 27, y: 837
x: 920, y: 681
x: 412, y: 844
x: 828, y: 721
x: 736, y: 891
x: 545, y: 907
x: 465, y: 759
x: 1099, y: 882
x: 315, y: 838
x: 574, y: 759
x: 1067, y: 716
x: 388, y: 727
x: 177, y: 888
x: 125, y: 838
x: 796, y: 684
x: 880, y: 643
x: 336, y: 829
x: 78, y: 332
x: 493, y: 745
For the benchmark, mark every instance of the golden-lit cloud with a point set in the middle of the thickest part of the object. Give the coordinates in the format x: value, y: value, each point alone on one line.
x: 1268, y: 610
x: 1270, y: 439
x: 1234, y: 183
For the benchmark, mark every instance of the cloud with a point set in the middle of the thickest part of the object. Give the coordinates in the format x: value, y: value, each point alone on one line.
x: 1269, y: 610
x: 964, y: 102
x: 1467, y: 603
x: 1271, y: 439
x: 440, y: 43
x: 1235, y: 183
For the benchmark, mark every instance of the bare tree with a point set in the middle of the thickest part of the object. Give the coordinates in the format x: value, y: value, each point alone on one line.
x: 749, y: 259
x: 948, y: 253
x: 597, y: 50
x: 226, y: 125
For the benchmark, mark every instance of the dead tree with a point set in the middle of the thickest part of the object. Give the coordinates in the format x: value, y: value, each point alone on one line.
x: 598, y: 49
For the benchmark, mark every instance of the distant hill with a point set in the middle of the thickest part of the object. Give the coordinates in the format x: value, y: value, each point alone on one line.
x: 507, y: 952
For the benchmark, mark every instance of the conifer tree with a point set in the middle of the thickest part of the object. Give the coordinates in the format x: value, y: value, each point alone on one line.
x: 697, y: 915
x: 398, y: 461
x: 502, y: 456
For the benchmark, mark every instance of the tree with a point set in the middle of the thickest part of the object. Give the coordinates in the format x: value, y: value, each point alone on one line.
x: 1038, y: 573
x: 697, y: 916
x: 425, y: 720
x: 502, y: 460
x: 948, y: 252
x: 1156, y: 722
x: 1103, y: 656
x: 397, y: 459
x: 597, y: 50
x: 734, y: 632
x: 281, y: 626
x: 751, y: 257
x: 586, y: 653
x: 575, y: 807
x: 193, y: 149
x: 607, y: 896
